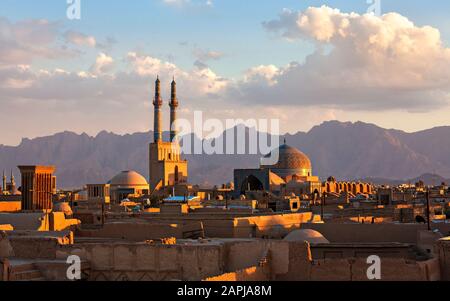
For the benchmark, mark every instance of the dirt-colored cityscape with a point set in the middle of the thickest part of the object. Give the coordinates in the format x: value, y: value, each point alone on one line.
x: 272, y: 223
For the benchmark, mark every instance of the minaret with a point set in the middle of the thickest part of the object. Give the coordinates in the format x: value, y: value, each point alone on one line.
x: 13, y: 183
x: 173, y: 111
x: 4, y: 181
x: 157, y: 102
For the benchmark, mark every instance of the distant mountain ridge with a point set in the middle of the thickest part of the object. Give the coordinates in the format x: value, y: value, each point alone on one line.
x: 347, y: 151
x: 427, y: 179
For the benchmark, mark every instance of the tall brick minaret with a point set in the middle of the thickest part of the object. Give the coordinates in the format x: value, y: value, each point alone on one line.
x: 166, y: 167
x: 173, y: 111
x: 157, y: 103
x: 4, y: 181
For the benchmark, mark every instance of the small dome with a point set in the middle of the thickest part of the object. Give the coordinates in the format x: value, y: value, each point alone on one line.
x: 128, y: 178
x: 308, y: 235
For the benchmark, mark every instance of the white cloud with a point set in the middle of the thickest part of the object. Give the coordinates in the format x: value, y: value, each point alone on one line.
x: 80, y: 39
x: 262, y: 73
x: 199, y: 82
x: 372, y: 63
x: 206, y: 55
x: 182, y: 3
x: 176, y: 2
x: 103, y: 64
x: 24, y: 41
x: 102, y: 86
x: 98, y: 99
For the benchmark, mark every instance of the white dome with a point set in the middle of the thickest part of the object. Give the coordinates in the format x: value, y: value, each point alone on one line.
x: 308, y: 235
x: 129, y: 178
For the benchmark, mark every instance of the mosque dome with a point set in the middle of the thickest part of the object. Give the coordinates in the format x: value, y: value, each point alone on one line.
x: 291, y: 161
x: 128, y: 178
x: 308, y: 235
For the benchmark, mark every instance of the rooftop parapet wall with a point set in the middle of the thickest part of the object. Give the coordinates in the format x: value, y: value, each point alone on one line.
x: 188, y: 260
x: 39, y: 221
x: 293, y: 262
x: 38, y: 245
x: 26, y: 221
x: 270, y: 226
x: 143, y: 230
x: 239, y: 258
x: 392, y: 269
x: 6, y: 228
x: 443, y: 251
x: 257, y: 226
x: 231, y: 225
x: 10, y: 206
x: 149, y: 262
x: 6, y: 250
x: 249, y: 274
x: 376, y: 233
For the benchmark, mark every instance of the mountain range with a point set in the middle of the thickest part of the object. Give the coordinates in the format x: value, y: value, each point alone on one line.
x: 347, y: 151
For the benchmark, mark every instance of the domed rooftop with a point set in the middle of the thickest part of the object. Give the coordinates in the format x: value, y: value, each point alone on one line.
x: 308, y: 235
x: 290, y: 158
x: 128, y: 178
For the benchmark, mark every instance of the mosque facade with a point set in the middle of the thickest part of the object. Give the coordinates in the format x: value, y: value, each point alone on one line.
x: 292, y: 173
x: 166, y: 167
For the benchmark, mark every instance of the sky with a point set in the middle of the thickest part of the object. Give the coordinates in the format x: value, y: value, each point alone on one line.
x: 302, y: 62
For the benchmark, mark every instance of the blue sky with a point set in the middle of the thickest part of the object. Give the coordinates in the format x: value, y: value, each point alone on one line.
x: 232, y: 27
x: 228, y: 43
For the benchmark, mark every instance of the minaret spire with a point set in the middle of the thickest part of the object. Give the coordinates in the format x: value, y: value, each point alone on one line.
x: 173, y: 110
x: 4, y: 181
x: 157, y: 103
x: 13, y: 181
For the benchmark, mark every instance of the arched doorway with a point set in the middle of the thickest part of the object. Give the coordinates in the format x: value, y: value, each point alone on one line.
x: 251, y: 183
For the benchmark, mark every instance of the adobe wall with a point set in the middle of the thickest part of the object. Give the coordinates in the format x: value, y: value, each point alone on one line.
x: 263, y: 226
x: 6, y: 249
x: 142, y: 231
x: 269, y: 226
x: 360, y: 233
x: 304, y: 267
x: 6, y: 228
x: 149, y: 262
x: 56, y: 270
x: 355, y: 269
x: 443, y: 251
x: 41, y: 245
x: 299, y: 264
x: 249, y: 274
x: 242, y: 254
x: 10, y: 206
x: 222, y: 228
x: 339, y: 250
x: 188, y: 260
x: 293, y: 262
x: 26, y: 221
x: 58, y: 222
x: 39, y: 221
